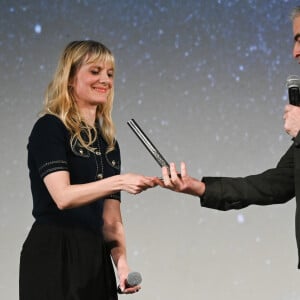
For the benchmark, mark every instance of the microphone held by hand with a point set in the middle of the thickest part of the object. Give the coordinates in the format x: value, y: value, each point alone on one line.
x: 133, y: 279
x: 293, y: 85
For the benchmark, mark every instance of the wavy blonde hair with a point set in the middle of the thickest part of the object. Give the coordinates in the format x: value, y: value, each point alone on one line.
x: 60, y: 101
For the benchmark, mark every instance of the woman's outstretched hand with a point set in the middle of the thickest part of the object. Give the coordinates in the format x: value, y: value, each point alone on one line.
x: 136, y: 183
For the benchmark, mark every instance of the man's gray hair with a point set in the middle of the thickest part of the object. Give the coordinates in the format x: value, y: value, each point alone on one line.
x: 295, y: 13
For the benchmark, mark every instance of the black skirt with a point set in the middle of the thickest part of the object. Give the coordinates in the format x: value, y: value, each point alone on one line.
x: 65, y: 263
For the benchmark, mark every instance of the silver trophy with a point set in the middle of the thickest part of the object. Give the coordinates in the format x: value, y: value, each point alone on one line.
x: 147, y: 143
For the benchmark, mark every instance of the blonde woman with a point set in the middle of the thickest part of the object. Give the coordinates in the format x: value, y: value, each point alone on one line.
x: 74, y: 165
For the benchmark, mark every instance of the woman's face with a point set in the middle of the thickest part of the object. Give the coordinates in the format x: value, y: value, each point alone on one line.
x: 93, y: 83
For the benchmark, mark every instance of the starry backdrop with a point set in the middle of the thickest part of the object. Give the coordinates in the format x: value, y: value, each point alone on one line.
x: 206, y: 82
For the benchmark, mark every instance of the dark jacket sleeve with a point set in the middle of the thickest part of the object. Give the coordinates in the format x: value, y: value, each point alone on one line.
x: 273, y: 186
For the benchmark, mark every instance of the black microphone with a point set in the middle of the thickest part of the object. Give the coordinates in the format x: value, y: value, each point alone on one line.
x: 293, y: 85
x: 133, y: 279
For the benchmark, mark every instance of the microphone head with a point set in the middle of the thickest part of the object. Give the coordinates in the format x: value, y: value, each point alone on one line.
x: 293, y: 81
x: 133, y: 279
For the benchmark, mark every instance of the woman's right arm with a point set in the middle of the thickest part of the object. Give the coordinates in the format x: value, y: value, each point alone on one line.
x: 47, y: 156
x: 67, y: 195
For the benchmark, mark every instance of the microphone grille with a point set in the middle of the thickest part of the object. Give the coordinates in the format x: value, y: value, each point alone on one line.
x: 293, y: 81
x: 134, y: 278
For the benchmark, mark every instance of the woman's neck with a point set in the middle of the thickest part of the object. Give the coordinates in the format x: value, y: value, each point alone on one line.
x: 88, y: 115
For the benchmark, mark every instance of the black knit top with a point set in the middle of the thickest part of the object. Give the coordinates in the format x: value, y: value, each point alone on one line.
x: 49, y: 150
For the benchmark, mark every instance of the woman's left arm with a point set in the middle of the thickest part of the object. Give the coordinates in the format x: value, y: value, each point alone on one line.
x: 114, y: 235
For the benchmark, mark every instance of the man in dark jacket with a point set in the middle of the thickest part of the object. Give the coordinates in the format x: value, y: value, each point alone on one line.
x: 277, y: 185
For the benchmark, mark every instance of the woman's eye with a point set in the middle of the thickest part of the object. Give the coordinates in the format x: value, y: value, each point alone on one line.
x: 95, y: 72
x: 110, y: 75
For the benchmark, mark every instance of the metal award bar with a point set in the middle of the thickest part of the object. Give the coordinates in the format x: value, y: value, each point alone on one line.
x: 147, y: 143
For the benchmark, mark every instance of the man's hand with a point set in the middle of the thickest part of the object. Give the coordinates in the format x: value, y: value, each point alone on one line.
x: 183, y: 183
x: 292, y: 119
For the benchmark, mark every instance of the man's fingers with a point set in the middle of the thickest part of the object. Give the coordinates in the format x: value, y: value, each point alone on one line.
x: 183, y: 170
x: 165, y: 173
x: 173, y: 171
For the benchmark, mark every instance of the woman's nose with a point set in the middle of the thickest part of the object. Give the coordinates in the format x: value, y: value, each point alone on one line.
x: 104, y: 78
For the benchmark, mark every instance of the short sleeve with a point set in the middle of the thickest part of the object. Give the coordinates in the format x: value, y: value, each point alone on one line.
x: 47, y: 146
x: 113, y: 159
